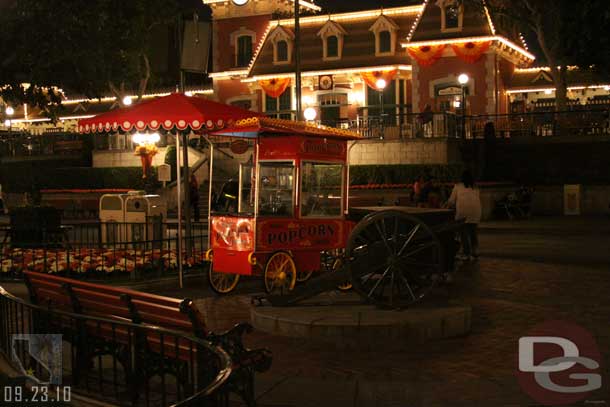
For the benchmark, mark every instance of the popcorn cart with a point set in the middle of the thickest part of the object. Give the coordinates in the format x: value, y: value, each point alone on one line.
x: 292, y: 212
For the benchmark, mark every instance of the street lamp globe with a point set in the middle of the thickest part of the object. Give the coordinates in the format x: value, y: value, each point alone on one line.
x: 10, y: 111
x: 310, y: 114
x: 381, y: 83
x: 127, y: 101
x: 463, y: 79
x: 7, y: 123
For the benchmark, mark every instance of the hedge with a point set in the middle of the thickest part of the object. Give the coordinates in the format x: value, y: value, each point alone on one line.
x: 27, y: 178
x: 403, y: 173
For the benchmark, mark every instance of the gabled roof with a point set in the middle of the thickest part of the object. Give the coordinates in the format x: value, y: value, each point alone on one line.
x: 358, y: 42
x: 476, y: 23
x: 280, y: 32
x: 536, y: 78
x: 331, y: 27
x: 382, y: 22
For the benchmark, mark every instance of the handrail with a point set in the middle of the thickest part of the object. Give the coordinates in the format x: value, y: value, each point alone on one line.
x: 225, y: 368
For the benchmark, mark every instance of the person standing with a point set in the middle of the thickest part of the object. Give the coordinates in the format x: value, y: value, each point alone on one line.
x: 466, y: 199
x: 194, y: 195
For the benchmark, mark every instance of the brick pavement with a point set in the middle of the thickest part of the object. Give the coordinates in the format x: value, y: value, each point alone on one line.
x: 508, y: 298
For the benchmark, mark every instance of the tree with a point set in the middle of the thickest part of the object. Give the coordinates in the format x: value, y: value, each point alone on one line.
x: 566, y: 32
x: 89, y: 48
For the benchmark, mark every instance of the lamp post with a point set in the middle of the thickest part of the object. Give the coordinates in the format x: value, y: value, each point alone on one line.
x: 310, y: 114
x: 463, y: 79
x: 8, y: 123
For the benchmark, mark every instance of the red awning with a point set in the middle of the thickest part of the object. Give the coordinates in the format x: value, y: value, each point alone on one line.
x: 175, y: 111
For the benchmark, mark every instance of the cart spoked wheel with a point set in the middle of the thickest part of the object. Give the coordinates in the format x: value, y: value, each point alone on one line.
x: 222, y: 283
x: 395, y: 259
x: 303, y: 276
x: 338, y: 265
x: 280, y: 273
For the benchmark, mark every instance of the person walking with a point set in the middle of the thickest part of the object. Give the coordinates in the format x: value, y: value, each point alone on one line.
x: 194, y: 195
x: 466, y: 199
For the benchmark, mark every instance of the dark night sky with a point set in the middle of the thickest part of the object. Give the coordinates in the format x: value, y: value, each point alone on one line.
x: 351, y: 5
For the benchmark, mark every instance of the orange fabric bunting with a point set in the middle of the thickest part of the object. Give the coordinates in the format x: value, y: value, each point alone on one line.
x: 371, y: 78
x: 470, y: 52
x: 274, y: 87
x: 426, y: 55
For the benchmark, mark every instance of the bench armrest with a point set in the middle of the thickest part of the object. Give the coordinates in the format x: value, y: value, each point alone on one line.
x: 231, y: 341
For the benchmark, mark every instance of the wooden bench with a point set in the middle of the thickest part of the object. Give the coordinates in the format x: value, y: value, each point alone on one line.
x: 157, y: 352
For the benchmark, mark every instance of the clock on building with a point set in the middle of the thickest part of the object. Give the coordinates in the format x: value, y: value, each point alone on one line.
x: 325, y: 82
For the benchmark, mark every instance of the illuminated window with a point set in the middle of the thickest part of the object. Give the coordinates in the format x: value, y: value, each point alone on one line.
x: 452, y: 15
x: 276, y: 189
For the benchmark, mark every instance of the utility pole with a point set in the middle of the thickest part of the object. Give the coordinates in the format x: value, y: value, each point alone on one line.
x: 297, y: 60
x: 185, y: 151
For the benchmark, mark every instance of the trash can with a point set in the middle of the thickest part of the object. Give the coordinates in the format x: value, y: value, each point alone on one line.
x: 112, y: 218
x: 143, y: 214
x: 571, y: 199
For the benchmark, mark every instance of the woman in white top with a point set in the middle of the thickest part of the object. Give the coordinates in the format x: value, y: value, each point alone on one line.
x: 467, y: 201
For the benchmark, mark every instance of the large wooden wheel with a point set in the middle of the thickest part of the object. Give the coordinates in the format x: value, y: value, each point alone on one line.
x: 280, y: 273
x: 222, y: 283
x: 337, y: 266
x: 394, y: 259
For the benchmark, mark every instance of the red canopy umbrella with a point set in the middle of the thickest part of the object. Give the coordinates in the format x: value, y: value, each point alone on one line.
x: 175, y: 111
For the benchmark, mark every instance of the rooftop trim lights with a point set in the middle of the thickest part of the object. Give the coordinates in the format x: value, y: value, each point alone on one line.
x: 532, y: 90
x: 355, y: 15
x: 228, y: 74
x: 492, y: 27
x: 302, y: 3
x: 330, y: 72
x: 417, y: 20
x: 147, y: 96
x: 471, y: 39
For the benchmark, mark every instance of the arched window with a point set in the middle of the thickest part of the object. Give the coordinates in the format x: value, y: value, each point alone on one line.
x: 332, y: 46
x: 452, y: 16
x: 244, y: 50
x: 385, y: 41
x: 282, y: 51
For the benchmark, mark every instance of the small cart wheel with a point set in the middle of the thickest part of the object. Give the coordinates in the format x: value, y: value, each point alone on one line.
x: 222, y: 283
x: 303, y: 276
x: 394, y: 259
x: 338, y: 265
x: 280, y: 273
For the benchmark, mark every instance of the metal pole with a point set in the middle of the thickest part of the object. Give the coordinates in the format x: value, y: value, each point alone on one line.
x: 297, y: 59
x: 210, y: 177
x: 463, y: 112
x: 178, y: 192
x: 187, y: 195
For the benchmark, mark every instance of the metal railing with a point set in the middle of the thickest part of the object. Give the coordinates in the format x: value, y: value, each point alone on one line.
x: 540, y: 124
x: 107, y: 360
x: 449, y: 125
x: 98, y: 249
x: 23, y: 144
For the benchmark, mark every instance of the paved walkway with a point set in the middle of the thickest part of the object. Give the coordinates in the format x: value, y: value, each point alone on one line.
x: 529, y: 272
x: 508, y: 297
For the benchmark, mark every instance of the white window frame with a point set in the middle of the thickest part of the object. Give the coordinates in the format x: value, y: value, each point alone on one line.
x: 383, y: 23
x: 235, y: 35
x: 443, y: 4
x: 329, y: 29
x: 281, y: 34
